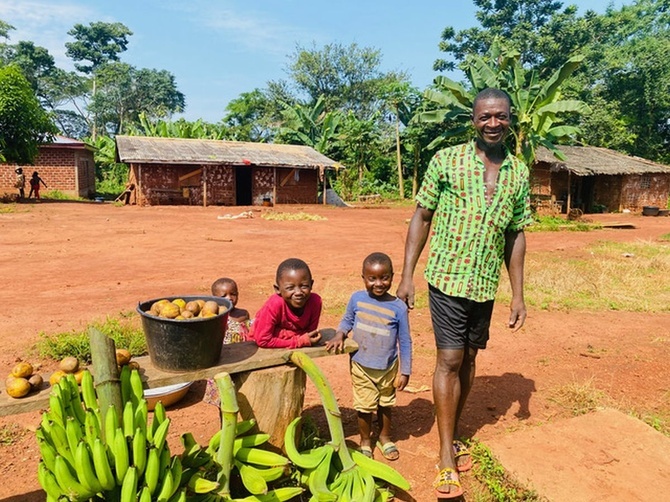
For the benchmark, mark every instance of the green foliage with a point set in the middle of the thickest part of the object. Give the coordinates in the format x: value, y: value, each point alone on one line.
x: 556, y: 224
x: 23, y: 123
x: 665, y: 237
x: 98, y: 43
x: 493, y: 475
x: 58, y: 195
x: 309, y: 125
x: 178, y: 129
x: 122, y: 330
x: 110, y: 175
x: 249, y: 117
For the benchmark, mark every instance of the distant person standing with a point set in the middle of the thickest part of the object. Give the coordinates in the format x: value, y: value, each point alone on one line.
x: 20, y: 182
x: 35, y: 181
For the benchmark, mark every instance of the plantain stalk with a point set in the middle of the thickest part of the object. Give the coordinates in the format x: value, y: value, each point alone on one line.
x: 229, y: 410
x: 333, y: 415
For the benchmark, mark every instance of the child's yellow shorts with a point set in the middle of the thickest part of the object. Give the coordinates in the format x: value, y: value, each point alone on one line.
x: 373, y: 388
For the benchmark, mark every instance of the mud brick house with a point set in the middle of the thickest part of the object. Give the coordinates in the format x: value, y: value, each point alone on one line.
x: 596, y: 179
x: 215, y: 172
x: 65, y: 165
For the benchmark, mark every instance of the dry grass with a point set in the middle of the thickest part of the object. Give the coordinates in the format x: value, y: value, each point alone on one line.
x: 10, y: 433
x: 579, y: 398
x: 301, y: 216
x: 607, y: 276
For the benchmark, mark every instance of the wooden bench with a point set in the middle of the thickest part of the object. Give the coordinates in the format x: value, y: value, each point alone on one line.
x: 235, y: 358
x: 167, y: 196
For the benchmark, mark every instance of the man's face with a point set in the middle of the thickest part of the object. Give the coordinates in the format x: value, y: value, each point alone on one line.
x: 491, y: 118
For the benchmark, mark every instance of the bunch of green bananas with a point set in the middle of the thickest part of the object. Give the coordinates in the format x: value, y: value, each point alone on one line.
x: 118, y: 456
x: 234, y: 452
x: 348, y: 476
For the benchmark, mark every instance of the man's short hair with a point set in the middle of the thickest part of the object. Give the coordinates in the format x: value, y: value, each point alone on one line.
x: 291, y: 264
x: 491, y: 93
x: 378, y: 259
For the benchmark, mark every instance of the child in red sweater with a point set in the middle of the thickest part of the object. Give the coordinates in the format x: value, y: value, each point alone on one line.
x: 289, y: 318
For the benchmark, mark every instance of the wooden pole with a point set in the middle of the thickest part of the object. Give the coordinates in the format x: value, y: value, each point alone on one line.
x: 204, y: 186
x: 140, y: 193
x: 107, y: 383
x: 567, y: 211
x: 325, y: 187
x: 274, y: 187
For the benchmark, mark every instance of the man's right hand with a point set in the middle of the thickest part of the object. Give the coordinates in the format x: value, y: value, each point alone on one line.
x: 406, y: 292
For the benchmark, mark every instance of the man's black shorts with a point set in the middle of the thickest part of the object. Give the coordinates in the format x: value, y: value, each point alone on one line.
x: 458, y: 322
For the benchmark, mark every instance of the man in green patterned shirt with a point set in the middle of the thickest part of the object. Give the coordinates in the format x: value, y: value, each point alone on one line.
x: 476, y: 198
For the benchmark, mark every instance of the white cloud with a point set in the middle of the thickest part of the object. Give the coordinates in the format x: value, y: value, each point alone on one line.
x: 248, y: 30
x: 45, y: 23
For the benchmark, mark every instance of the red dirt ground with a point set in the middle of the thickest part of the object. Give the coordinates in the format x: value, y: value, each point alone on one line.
x: 67, y: 263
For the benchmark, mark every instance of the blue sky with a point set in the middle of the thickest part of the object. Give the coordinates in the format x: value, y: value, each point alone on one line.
x: 217, y: 49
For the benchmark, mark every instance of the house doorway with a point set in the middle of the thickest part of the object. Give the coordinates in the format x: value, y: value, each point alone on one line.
x: 243, y: 186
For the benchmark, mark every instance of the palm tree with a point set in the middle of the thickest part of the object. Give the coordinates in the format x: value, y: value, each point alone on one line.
x: 537, y: 106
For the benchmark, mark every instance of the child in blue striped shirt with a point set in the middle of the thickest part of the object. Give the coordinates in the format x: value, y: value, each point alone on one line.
x: 379, y: 324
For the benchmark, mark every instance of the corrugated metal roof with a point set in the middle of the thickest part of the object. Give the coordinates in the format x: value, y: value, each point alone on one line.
x: 151, y: 150
x: 592, y: 160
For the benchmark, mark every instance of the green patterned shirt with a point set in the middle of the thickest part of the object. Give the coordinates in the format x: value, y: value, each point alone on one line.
x: 467, y: 241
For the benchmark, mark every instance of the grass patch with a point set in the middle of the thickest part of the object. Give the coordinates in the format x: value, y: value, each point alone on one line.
x: 8, y: 209
x: 557, y: 224
x: 607, y: 276
x: 301, y: 216
x: 664, y: 237
x: 124, y: 331
x: 578, y: 398
x: 58, y: 195
x: 10, y: 433
x: 499, y: 484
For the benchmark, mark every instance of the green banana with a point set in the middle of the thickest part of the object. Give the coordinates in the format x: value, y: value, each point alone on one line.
x: 308, y: 460
x: 59, y: 437
x: 91, y: 428
x: 250, y: 441
x: 159, y: 412
x: 161, y: 434
x: 318, y: 479
x: 85, y: 469
x: 152, y: 471
x: 198, y: 484
x: 48, y: 482
x: 111, y: 423
x: 56, y: 409
x: 129, y: 486
x: 380, y: 470
x: 136, y: 387
x: 76, y: 402
x: 260, y: 457
x: 270, y: 473
x: 142, y: 415
x: 277, y: 495
x: 73, y: 434
x: 121, y: 456
x: 164, y: 460
x: 124, y: 377
x: 103, y: 470
x: 167, y: 488
x: 69, y: 484
x: 128, y: 418
x: 88, y: 391
x: 369, y: 487
x: 176, y: 470
x: 48, y: 453
x: 244, y: 426
x: 139, y: 451
x: 251, y: 479
x: 145, y: 495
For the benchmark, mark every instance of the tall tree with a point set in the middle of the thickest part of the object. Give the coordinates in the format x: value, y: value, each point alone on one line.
x: 125, y: 92
x: 23, y: 123
x: 309, y: 125
x: 248, y: 117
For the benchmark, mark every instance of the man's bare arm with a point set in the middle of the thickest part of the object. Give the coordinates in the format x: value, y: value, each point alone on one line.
x: 515, y: 254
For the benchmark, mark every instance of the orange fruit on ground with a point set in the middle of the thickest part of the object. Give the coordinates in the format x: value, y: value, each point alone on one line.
x: 56, y: 376
x: 18, y: 387
x: 122, y: 357
x: 69, y: 364
x: 36, y: 381
x: 22, y: 370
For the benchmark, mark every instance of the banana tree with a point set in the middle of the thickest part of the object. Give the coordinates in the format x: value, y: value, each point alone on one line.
x: 312, y: 126
x: 537, y: 107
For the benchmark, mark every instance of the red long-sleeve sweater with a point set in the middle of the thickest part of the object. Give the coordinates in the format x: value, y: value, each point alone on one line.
x: 277, y: 326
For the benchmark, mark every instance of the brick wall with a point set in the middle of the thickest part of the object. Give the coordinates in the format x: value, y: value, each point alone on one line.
x: 69, y: 170
x: 160, y: 184
x: 645, y: 190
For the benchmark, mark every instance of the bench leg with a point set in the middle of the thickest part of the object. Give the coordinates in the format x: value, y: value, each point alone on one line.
x: 273, y: 396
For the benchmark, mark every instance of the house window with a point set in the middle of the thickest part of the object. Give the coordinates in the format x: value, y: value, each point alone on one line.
x: 645, y: 182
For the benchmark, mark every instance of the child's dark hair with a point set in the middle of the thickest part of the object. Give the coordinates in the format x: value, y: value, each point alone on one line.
x: 292, y: 264
x: 378, y: 259
x: 219, y: 283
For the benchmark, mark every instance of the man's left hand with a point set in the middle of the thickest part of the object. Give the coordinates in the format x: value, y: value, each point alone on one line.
x: 517, y: 316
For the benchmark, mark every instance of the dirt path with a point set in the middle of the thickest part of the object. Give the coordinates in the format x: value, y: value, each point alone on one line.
x: 66, y: 264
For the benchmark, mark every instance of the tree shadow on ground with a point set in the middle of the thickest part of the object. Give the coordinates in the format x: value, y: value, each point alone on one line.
x: 492, y: 396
